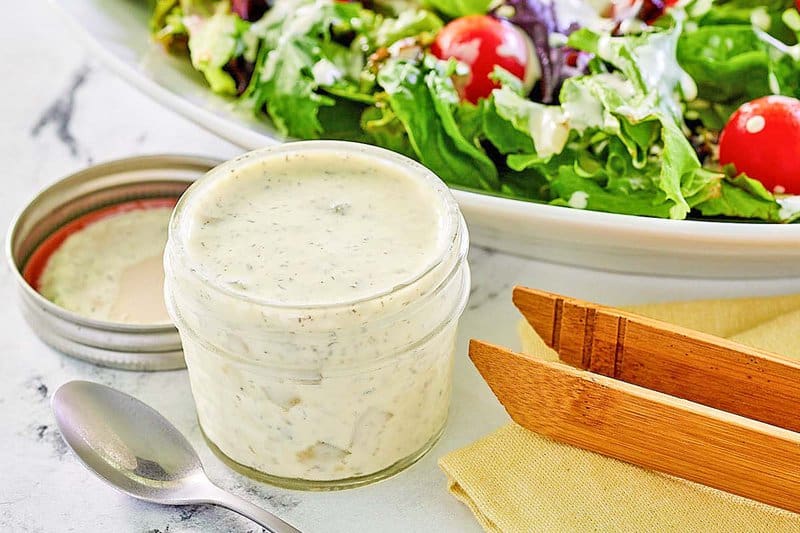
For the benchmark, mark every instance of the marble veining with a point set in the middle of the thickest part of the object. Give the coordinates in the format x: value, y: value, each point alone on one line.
x: 59, y: 113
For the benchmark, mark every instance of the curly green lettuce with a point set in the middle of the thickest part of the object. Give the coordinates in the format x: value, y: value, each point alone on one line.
x: 615, y: 143
x: 614, y: 140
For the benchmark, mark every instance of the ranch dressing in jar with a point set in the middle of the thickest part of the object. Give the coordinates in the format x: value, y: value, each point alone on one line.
x: 317, y: 287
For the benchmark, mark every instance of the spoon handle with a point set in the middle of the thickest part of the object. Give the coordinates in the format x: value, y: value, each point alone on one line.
x: 262, y: 517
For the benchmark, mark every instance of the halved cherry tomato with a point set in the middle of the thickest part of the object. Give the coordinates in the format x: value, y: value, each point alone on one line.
x: 762, y: 139
x: 483, y: 42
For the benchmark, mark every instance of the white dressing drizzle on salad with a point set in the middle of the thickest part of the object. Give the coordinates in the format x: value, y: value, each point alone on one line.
x: 612, y: 81
x: 583, y: 13
x: 325, y: 72
x: 790, y: 207
x: 579, y: 200
x: 300, y: 20
x: 469, y: 50
x: 584, y: 109
x: 760, y: 18
x: 548, y: 125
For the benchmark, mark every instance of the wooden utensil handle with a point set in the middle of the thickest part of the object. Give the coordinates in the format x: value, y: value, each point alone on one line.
x: 667, y: 358
x: 646, y: 428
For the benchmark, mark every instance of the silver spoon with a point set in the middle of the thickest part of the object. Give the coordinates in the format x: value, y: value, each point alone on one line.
x: 136, y: 450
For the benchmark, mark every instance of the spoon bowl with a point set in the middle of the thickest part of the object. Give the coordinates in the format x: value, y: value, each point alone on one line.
x: 148, y: 459
x: 132, y: 447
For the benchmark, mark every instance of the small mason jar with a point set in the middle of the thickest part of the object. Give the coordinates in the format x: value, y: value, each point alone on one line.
x: 323, y: 394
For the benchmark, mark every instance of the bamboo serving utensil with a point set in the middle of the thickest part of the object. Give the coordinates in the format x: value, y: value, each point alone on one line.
x: 666, y: 358
x: 699, y: 427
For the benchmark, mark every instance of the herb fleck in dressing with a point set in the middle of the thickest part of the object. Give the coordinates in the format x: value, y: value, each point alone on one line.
x: 305, y: 231
x: 112, y: 269
x: 317, y: 288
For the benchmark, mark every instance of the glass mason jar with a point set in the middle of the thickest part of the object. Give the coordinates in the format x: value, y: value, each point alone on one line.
x: 324, y: 396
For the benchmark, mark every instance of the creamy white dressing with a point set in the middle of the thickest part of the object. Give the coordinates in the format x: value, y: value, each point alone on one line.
x: 316, y: 293
x: 590, y: 14
x: 790, y: 207
x: 755, y: 124
x: 549, y: 129
x: 760, y: 18
x: 467, y: 50
x: 112, y: 269
x: 325, y: 73
x: 600, y: 6
x: 301, y: 17
x: 584, y: 13
x: 305, y: 230
x: 663, y: 72
x: 699, y: 8
x: 582, y: 108
x: 579, y: 200
x: 547, y: 125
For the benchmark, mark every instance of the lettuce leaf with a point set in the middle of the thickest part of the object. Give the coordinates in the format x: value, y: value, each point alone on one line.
x: 409, y: 23
x: 501, y: 133
x: 616, y: 143
x: 739, y: 197
x: 168, y: 28
x: 737, y: 51
x: 422, y: 97
x: 384, y: 129
x: 647, y: 60
x: 459, y: 8
x: 312, y: 56
x: 160, y: 11
x: 728, y: 66
x: 546, y: 125
x: 614, y: 139
x: 766, y: 14
x: 299, y: 55
x: 213, y: 42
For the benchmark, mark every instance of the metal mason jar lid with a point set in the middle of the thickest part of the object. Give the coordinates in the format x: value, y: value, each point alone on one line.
x: 112, y: 344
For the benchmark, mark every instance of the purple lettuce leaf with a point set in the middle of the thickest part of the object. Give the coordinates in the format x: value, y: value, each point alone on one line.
x: 250, y: 10
x: 538, y: 19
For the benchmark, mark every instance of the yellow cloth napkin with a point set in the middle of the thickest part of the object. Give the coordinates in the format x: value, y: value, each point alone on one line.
x: 514, y: 480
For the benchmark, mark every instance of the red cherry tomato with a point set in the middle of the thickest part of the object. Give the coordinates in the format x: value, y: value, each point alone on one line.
x: 762, y: 139
x: 482, y: 42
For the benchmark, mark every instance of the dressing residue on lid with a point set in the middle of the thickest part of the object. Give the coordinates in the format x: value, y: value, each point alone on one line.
x: 112, y: 269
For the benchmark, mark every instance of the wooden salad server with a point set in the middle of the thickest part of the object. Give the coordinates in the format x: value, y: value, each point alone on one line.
x: 674, y: 360
x: 625, y: 416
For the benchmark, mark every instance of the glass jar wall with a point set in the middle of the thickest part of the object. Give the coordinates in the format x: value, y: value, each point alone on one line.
x: 317, y: 288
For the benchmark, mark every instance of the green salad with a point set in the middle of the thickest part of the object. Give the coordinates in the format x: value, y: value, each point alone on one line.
x: 661, y: 108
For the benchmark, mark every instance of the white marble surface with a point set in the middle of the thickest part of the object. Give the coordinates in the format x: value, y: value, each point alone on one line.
x: 60, y: 112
